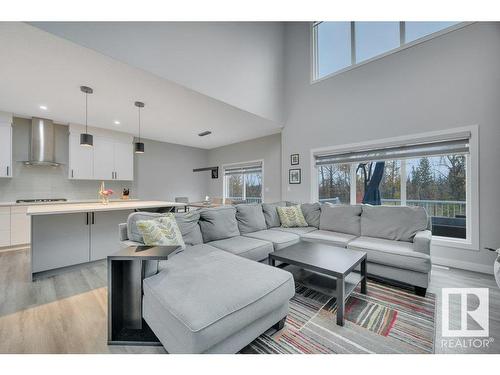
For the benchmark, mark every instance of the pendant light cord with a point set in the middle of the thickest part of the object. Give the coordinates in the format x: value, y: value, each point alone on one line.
x: 86, y: 112
x: 139, y: 108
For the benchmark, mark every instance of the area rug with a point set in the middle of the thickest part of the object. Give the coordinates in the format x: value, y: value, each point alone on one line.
x: 386, y: 320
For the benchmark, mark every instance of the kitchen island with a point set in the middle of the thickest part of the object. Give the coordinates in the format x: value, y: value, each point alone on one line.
x: 65, y: 235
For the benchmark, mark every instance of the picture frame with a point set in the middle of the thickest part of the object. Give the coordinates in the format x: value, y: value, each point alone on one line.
x: 294, y: 159
x: 294, y: 176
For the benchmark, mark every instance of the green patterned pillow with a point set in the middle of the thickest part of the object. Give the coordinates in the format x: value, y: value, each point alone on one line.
x: 291, y: 217
x: 162, y: 231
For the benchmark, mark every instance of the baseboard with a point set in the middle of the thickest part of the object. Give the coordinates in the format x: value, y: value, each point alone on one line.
x: 469, y: 266
x: 14, y: 248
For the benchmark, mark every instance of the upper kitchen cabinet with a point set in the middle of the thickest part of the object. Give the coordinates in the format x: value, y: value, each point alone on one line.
x: 81, y: 160
x: 5, y: 145
x: 110, y: 158
x: 124, y: 161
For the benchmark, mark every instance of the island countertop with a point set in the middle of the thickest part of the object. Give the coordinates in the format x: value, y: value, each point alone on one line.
x: 52, y: 209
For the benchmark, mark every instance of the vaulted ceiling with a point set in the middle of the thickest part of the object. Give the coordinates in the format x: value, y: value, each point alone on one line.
x: 222, y: 77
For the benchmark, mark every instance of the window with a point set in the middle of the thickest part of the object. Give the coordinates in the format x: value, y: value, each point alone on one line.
x: 334, y: 183
x: 432, y: 175
x: 340, y: 45
x: 243, y: 183
x: 375, y: 38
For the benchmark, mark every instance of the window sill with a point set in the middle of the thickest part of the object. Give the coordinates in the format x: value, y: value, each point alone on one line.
x: 456, y: 243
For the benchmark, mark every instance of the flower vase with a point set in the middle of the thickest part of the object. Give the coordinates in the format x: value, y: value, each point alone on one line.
x: 104, y: 197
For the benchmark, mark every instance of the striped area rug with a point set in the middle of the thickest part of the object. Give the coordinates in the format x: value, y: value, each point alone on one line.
x: 386, y: 320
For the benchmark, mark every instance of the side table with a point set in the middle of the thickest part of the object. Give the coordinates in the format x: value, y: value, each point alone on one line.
x: 127, y: 269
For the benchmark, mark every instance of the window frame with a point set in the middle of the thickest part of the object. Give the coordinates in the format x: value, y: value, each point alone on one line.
x: 402, y: 36
x: 471, y: 242
x: 231, y: 165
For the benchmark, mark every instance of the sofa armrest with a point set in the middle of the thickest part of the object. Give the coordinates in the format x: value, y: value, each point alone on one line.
x: 422, y: 241
x: 122, y: 231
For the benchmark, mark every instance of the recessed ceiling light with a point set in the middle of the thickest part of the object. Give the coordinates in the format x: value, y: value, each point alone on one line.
x: 205, y: 133
x: 116, y: 122
x: 43, y: 107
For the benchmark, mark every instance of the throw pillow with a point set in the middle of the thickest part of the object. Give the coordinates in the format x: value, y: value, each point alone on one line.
x: 162, y: 231
x: 291, y: 217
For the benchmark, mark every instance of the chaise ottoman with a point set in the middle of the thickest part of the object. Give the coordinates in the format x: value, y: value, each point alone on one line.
x: 205, y: 300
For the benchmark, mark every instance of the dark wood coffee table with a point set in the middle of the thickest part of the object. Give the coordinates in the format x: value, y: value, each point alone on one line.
x: 328, y: 260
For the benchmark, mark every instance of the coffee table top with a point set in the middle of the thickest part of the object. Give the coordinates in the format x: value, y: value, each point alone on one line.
x: 328, y: 259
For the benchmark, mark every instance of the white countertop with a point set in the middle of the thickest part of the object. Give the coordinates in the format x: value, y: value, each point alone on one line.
x: 65, y: 208
x: 72, y: 201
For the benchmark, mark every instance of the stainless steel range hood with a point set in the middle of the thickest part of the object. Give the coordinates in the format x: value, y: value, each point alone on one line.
x: 42, y: 143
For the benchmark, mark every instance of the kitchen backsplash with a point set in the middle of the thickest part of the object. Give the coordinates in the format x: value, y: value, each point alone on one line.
x: 48, y: 182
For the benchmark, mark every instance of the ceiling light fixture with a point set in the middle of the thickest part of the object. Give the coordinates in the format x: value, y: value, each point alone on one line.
x: 139, y: 146
x: 43, y: 107
x: 86, y: 139
x: 203, y: 134
x: 116, y: 122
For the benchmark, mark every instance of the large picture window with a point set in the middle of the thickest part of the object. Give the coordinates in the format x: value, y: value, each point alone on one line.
x: 337, y: 46
x: 432, y: 175
x: 243, y: 183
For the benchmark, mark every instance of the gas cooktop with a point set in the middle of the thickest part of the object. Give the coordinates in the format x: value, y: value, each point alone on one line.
x: 43, y: 200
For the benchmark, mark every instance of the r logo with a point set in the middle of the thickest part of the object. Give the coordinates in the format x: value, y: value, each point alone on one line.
x: 471, y: 323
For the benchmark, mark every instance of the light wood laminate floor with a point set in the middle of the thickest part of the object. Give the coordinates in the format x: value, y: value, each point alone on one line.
x: 68, y: 313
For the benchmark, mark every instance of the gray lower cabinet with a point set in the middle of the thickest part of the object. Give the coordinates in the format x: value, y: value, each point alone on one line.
x: 61, y: 240
x: 104, y: 238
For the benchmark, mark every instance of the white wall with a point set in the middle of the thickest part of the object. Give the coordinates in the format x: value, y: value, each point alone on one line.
x: 238, y: 63
x: 448, y: 82
x: 265, y: 148
x: 165, y: 171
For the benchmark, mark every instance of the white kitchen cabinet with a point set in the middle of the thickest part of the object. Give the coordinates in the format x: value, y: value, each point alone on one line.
x: 110, y: 158
x: 104, y: 159
x: 4, y: 226
x: 81, y: 160
x: 124, y: 161
x: 20, y: 226
x: 5, y: 151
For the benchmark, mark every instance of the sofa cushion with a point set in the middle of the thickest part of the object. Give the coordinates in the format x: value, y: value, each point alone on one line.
x: 328, y: 237
x: 232, y: 291
x: 218, y: 223
x: 392, y: 253
x: 246, y: 247
x: 250, y: 218
x: 279, y: 239
x: 189, y: 227
x: 298, y: 230
x: 393, y: 223
x: 312, y: 213
x: 341, y: 218
x: 291, y: 217
x: 271, y: 214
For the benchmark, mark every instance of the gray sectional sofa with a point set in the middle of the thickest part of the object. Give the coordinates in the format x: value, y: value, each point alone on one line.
x: 223, y: 257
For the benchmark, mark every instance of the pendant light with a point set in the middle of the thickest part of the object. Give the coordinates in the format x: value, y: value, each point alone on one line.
x: 139, y: 146
x: 86, y: 139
